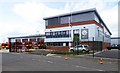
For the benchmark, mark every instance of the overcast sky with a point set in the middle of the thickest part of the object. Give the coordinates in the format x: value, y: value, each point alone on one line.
x: 25, y: 17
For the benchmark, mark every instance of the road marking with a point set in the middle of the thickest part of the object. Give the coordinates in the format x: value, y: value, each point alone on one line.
x: 89, y: 68
x: 33, y: 59
x: 58, y: 56
x: 15, y: 53
x: 77, y: 66
x: 49, y: 61
x: 100, y: 70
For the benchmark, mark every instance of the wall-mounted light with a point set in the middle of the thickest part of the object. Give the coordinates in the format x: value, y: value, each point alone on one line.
x: 98, y: 31
x: 98, y: 28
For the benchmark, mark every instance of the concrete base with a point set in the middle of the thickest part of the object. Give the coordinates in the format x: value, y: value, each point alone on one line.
x: 4, y: 50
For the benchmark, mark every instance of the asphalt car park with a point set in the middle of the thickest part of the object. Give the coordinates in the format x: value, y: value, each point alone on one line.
x: 113, y: 53
x: 30, y: 62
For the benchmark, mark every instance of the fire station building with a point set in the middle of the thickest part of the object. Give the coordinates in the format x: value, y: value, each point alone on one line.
x: 17, y: 42
x: 85, y: 26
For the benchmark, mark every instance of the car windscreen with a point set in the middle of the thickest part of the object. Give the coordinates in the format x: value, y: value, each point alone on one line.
x: 79, y: 46
x: 85, y: 46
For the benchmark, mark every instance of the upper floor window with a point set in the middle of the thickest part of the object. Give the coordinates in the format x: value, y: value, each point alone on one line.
x: 57, y: 34
x: 46, y: 22
x: 76, y: 31
x: 64, y: 20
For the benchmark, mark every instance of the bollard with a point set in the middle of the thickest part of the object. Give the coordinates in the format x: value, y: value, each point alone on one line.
x: 110, y: 62
x: 66, y: 57
x: 21, y: 50
x: 101, y: 61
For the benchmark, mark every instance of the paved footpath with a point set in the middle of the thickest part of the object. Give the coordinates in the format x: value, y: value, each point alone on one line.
x: 4, y: 51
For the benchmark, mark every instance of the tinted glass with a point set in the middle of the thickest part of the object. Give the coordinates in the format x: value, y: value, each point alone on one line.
x: 85, y: 46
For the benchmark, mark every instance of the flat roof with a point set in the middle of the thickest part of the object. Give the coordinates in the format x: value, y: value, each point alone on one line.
x: 83, y: 11
x: 115, y: 37
x: 67, y: 14
x: 30, y: 36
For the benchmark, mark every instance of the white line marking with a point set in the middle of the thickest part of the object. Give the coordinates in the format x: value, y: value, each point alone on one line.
x: 33, y: 59
x: 89, y: 68
x: 49, y: 61
x: 77, y: 66
x: 100, y: 70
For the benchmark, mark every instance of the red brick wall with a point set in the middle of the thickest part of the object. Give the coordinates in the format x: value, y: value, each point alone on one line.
x: 97, y: 46
x: 105, y: 45
x: 60, y: 48
x: 92, y: 45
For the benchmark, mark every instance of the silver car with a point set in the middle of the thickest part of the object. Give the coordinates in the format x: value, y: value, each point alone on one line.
x: 80, y: 48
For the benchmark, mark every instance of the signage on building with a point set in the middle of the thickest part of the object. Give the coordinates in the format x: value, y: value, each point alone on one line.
x: 84, y: 33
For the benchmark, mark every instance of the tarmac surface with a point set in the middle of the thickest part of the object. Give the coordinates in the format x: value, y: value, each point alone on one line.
x: 114, y: 54
x: 37, y: 62
x: 31, y: 62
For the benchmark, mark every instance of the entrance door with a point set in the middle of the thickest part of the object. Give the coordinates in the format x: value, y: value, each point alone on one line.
x: 76, y: 39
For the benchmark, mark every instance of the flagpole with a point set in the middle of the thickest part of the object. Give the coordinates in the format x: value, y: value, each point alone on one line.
x: 69, y: 32
x: 70, y: 20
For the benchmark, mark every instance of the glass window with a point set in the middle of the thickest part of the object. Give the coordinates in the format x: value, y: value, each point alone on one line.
x: 67, y: 44
x: 80, y: 46
x: 57, y: 44
x: 53, y: 33
x: 46, y: 22
x: 64, y: 32
x: 59, y: 33
x: 64, y: 20
x: 67, y: 32
x: 85, y: 46
x: 53, y: 21
x: 76, y: 31
x: 61, y: 44
x: 47, y: 34
x: 24, y: 40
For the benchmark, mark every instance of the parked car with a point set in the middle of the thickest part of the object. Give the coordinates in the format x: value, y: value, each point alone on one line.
x: 85, y: 48
x: 114, y: 46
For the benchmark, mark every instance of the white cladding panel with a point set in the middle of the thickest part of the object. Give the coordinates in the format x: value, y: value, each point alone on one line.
x: 91, y: 33
x: 58, y: 39
x: 106, y: 38
x: 98, y: 33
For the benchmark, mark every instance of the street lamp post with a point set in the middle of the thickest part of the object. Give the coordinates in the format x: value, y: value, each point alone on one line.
x: 70, y: 20
x: 93, y: 47
x: 69, y: 32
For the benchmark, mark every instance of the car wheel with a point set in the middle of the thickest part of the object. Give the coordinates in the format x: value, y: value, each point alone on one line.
x: 71, y: 50
x: 83, y: 50
x: 87, y: 51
